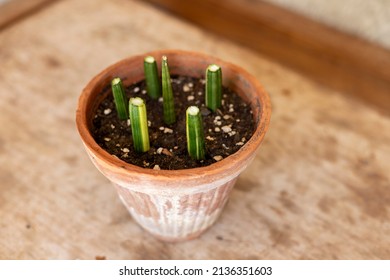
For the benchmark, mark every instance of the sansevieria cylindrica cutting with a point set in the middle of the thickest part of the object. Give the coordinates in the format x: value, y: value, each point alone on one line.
x: 168, y: 104
x: 139, y: 124
x: 195, y: 134
x: 213, y: 87
x: 120, y: 98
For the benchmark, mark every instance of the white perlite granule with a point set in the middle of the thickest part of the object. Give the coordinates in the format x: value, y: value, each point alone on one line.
x: 186, y: 88
x: 226, y: 129
x: 218, y: 158
x: 168, y: 130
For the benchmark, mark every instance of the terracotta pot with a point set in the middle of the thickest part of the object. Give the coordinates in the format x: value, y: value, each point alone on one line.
x: 174, y: 205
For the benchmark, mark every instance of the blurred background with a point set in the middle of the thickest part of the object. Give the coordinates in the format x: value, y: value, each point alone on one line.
x: 367, y: 19
x: 351, y: 38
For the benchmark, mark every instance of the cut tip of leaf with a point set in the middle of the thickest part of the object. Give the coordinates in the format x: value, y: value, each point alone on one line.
x: 193, y: 110
x: 137, y: 101
x: 213, y: 68
x: 149, y: 59
x: 115, y: 81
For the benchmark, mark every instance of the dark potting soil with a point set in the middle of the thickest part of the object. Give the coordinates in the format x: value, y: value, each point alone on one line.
x: 225, y: 130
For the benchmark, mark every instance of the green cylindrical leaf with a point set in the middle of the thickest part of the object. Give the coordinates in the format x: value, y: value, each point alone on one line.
x: 168, y: 104
x: 213, y: 87
x: 120, y: 98
x: 153, y: 84
x: 139, y: 124
x: 195, y: 134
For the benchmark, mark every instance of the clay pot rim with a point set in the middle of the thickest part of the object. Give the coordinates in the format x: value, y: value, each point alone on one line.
x: 229, y: 162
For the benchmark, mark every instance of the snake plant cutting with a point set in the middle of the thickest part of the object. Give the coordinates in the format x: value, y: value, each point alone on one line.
x: 195, y: 134
x: 139, y: 124
x: 213, y: 87
x: 120, y: 98
x: 153, y: 84
x: 168, y: 103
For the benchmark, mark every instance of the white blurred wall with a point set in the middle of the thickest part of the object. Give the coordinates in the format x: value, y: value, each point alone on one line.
x: 369, y: 19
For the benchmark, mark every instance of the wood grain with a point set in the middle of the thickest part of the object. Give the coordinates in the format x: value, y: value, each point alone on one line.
x: 331, y: 57
x: 318, y: 188
x: 14, y: 10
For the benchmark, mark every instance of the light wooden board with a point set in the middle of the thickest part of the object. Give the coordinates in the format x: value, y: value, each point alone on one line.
x: 319, y: 188
x: 14, y: 10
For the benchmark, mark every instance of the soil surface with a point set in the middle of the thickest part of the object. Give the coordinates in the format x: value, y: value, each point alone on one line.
x: 225, y: 130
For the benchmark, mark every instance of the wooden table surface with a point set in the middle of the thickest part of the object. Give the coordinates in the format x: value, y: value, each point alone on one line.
x: 319, y: 187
